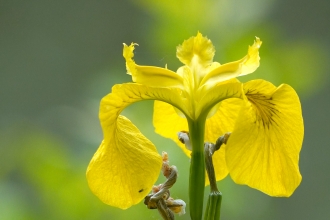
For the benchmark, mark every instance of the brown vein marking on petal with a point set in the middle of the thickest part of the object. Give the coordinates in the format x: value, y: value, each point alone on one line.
x: 264, y: 106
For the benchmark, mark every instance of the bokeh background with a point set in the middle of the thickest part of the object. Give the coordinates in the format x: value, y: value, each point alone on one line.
x: 59, y: 58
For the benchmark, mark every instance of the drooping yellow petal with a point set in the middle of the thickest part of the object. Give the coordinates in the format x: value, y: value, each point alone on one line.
x: 221, y: 122
x: 125, y: 167
x: 150, y: 75
x: 263, y: 150
x: 133, y: 92
x: 127, y: 164
x: 168, y: 123
x: 246, y: 65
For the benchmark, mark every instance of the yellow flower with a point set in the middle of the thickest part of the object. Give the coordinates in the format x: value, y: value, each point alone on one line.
x: 266, y: 124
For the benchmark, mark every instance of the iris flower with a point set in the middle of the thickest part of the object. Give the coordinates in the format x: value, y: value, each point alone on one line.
x: 204, y: 98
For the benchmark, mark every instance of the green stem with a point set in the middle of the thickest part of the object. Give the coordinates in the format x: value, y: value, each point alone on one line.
x: 213, y: 207
x: 197, y: 168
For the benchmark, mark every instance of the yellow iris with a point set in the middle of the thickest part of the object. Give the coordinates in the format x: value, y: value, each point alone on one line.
x: 265, y: 122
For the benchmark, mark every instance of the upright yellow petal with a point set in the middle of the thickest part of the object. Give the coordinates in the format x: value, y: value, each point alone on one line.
x: 126, y: 165
x: 196, y: 47
x: 150, y: 75
x: 246, y: 65
x: 197, y: 53
x: 263, y: 150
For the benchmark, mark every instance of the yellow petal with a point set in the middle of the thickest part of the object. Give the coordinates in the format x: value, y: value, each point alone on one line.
x: 168, y: 123
x: 207, y: 99
x: 263, y: 150
x: 128, y: 93
x: 199, y: 48
x: 221, y: 122
x: 150, y: 75
x: 197, y: 53
x: 246, y: 65
x: 125, y: 167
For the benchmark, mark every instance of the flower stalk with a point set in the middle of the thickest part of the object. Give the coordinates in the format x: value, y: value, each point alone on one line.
x: 197, y: 168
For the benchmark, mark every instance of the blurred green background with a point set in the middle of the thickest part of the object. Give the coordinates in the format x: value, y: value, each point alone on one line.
x: 59, y: 58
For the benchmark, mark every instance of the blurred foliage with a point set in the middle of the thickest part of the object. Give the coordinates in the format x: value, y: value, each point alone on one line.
x: 57, y: 60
